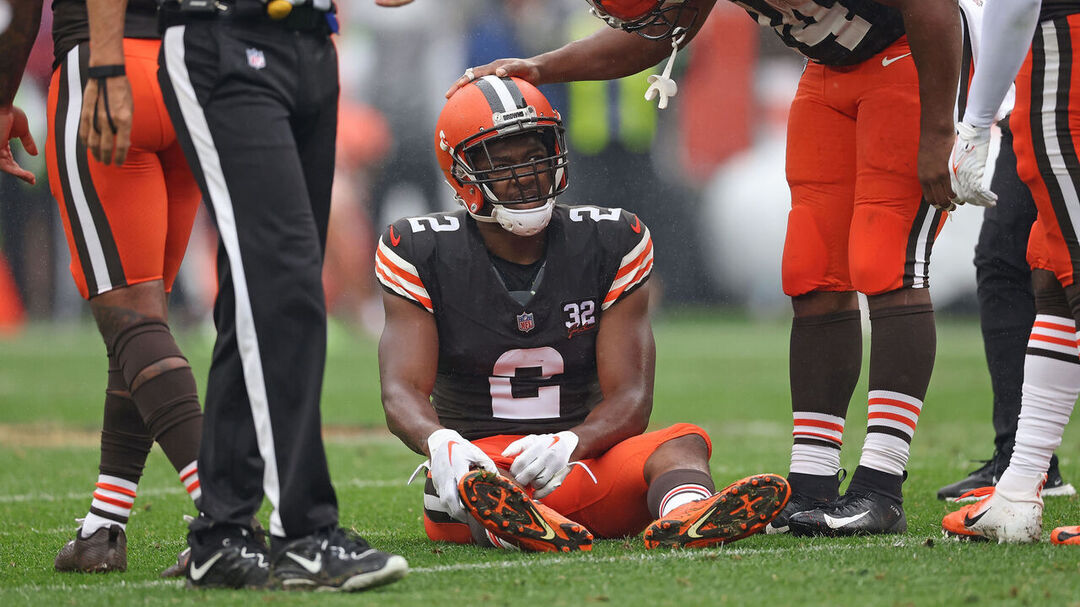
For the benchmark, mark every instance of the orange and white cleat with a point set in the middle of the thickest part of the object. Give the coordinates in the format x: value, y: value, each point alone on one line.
x: 1066, y: 535
x: 741, y: 509
x: 510, y: 514
x: 1009, y: 519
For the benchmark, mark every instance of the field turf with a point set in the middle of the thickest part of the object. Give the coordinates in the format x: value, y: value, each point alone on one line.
x: 727, y: 374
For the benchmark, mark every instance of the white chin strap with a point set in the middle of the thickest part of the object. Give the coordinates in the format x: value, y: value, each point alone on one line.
x: 523, y: 222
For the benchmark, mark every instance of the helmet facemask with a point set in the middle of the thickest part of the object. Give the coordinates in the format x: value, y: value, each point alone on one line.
x: 523, y: 162
x: 660, y: 23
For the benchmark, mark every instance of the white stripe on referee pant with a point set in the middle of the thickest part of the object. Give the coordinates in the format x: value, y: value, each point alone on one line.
x: 246, y: 339
x: 1051, y: 135
x: 85, y: 221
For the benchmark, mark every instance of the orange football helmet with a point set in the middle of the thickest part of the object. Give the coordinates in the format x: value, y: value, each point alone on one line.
x: 652, y: 19
x: 491, y: 109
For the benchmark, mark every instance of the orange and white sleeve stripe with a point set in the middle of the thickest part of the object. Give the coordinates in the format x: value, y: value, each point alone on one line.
x: 400, y: 276
x: 633, y: 269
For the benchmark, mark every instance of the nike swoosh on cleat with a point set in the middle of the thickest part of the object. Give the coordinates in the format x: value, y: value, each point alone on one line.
x: 1067, y: 535
x: 198, y: 571
x: 971, y: 520
x: 312, y: 566
x: 836, y: 523
x: 692, y: 532
x: 887, y: 61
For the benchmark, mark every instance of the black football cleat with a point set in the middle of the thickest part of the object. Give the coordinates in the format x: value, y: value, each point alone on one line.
x: 988, y: 474
x: 334, y: 560
x: 237, y: 560
x: 799, y: 502
x: 857, y: 512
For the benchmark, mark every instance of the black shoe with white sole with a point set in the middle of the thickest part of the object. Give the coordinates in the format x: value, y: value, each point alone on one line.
x: 227, y: 558
x: 857, y: 512
x: 332, y: 559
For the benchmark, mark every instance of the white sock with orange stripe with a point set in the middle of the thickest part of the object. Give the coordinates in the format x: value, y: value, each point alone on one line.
x: 113, y: 499
x: 190, y: 477
x: 1051, y: 387
x: 818, y: 437
x: 683, y: 494
x: 891, y: 421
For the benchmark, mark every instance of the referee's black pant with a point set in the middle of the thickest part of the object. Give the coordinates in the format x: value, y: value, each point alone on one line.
x: 255, y: 107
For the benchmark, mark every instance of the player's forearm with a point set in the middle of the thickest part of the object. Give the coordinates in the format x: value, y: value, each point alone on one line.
x: 409, y: 416
x: 106, y: 31
x: 1007, y: 30
x: 933, y: 31
x: 605, y: 55
x: 613, y: 420
x: 15, y: 45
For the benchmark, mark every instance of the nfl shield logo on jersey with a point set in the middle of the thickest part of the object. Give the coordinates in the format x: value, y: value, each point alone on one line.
x: 526, y: 322
x: 256, y: 59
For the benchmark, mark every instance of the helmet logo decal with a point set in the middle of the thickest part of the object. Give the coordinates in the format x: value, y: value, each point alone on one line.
x: 443, y: 143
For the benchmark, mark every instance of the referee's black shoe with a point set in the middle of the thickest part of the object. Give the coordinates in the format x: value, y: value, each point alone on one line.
x: 332, y: 559
x: 857, y: 512
x: 228, y: 556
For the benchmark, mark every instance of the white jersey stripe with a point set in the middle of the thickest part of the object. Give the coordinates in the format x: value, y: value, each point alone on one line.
x: 246, y: 338
x: 1051, y: 135
x: 85, y: 221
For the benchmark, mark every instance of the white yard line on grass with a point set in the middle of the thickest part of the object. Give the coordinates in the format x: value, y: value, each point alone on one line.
x: 546, y: 561
x: 74, y: 495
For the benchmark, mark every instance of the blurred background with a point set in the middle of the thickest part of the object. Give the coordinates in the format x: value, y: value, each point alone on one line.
x: 706, y: 174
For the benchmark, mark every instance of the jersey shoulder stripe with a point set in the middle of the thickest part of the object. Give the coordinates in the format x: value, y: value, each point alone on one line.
x: 400, y: 276
x: 634, y: 268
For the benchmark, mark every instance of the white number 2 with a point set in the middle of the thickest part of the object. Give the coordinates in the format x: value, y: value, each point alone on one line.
x: 546, y: 402
x: 417, y: 224
x: 594, y: 213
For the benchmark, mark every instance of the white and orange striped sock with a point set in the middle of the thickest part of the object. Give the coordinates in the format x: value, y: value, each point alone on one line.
x: 817, y: 440
x: 113, y: 500
x: 891, y: 421
x: 190, y: 477
x: 683, y: 494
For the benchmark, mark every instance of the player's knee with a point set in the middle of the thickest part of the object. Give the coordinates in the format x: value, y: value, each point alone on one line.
x: 806, y: 258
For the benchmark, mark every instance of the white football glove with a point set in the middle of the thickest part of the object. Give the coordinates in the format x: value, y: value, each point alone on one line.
x: 452, y: 457
x: 542, y: 460
x: 967, y: 164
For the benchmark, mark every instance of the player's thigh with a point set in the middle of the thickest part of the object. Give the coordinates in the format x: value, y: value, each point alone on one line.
x: 113, y: 216
x: 615, y: 505
x: 1046, y: 148
x: 821, y: 175
x: 893, y: 230
x: 183, y: 198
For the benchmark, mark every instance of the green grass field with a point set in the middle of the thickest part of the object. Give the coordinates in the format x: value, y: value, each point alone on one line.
x: 727, y: 374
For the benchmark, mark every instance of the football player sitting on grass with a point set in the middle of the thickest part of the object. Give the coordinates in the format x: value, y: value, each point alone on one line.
x: 518, y: 355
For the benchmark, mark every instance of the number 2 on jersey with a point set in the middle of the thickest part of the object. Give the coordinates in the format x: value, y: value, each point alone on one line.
x: 545, y: 404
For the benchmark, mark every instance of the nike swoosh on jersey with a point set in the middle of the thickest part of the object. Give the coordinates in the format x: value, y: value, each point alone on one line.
x: 198, y: 571
x: 312, y: 566
x: 394, y: 238
x: 692, y: 532
x: 637, y: 225
x: 971, y: 520
x: 836, y: 523
x: 887, y: 61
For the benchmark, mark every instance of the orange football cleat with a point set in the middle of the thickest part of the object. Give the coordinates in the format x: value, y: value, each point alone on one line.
x: 1066, y: 535
x: 509, y: 513
x: 741, y: 509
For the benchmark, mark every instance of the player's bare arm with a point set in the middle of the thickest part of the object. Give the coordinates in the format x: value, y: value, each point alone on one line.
x: 107, y: 109
x: 15, y: 45
x: 408, y: 359
x: 933, y: 30
x: 605, y: 55
x: 625, y: 366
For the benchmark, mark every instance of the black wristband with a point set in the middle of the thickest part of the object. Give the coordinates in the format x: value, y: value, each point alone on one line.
x: 106, y: 71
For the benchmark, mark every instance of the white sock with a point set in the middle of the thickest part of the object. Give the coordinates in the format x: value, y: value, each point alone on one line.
x: 683, y: 494
x: 890, y: 425
x: 113, y: 499
x: 190, y: 477
x: 1051, y: 386
x: 821, y: 458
